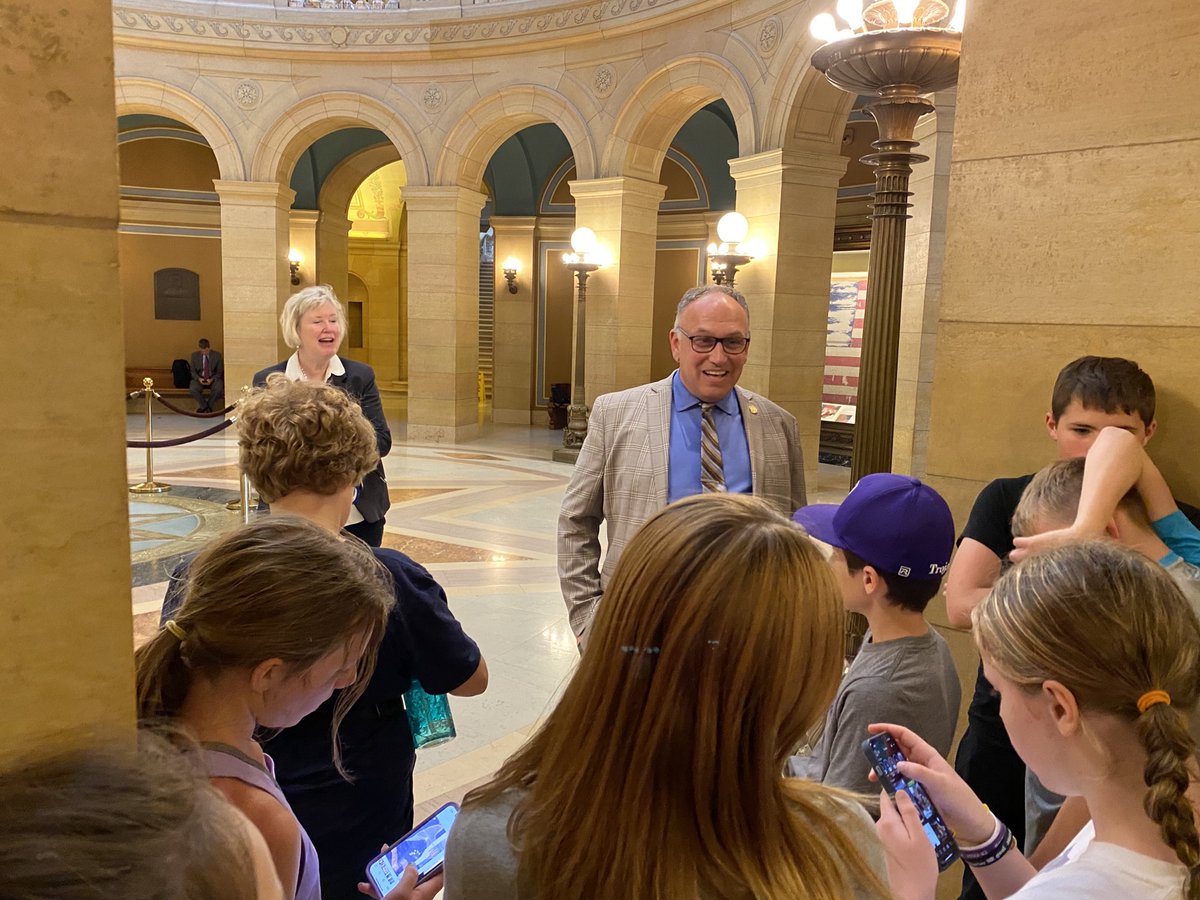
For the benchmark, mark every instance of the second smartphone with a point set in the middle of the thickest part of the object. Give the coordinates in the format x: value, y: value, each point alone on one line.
x: 884, y: 753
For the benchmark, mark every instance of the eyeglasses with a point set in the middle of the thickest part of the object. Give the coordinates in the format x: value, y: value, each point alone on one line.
x: 706, y: 343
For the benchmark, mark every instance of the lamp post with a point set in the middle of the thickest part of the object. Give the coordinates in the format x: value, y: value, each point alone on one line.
x: 724, y: 258
x: 585, y: 260
x: 897, y: 50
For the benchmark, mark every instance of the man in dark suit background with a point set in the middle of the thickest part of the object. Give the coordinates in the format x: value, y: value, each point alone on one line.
x: 208, y: 371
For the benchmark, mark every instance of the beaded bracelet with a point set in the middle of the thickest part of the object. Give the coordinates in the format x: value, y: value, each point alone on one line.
x: 990, y: 851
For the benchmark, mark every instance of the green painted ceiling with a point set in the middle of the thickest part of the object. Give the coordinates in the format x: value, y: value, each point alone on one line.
x: 519, y: 169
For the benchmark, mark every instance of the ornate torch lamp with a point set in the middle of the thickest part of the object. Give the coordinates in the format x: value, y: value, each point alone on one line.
x: 733, y: 251
x: 898, y: 51
x: 585, y: 259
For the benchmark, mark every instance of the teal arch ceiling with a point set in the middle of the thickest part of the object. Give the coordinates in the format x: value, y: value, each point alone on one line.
x: 518, y: 170
x: 520, y: 167
x: 323, y: 156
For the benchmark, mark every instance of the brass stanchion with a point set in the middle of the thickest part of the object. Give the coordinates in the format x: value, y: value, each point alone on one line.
x: 245, y: 501
x: 149, y: 486
x: 247, y: 497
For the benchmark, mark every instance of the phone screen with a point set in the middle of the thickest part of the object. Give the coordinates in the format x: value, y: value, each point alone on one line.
x: 423, y: 847
x: 884, y: 753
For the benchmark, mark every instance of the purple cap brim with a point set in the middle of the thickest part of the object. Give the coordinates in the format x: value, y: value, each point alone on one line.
x: 817, y: 520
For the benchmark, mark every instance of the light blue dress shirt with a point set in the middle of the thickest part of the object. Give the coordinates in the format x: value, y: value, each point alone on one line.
x: 683, y: 475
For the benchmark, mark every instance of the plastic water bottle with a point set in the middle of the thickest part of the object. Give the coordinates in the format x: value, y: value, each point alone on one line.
x: 429, y: 717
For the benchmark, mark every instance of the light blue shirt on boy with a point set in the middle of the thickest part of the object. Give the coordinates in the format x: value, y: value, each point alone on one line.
x: 683, y: 474
x: 1178, y: 533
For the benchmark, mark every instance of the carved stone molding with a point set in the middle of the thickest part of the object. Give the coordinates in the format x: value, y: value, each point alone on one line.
x: 604, y: 80
x: 247, y: 94
x: 769, y: 36
x: 323, y: 31
x: 433, y: 98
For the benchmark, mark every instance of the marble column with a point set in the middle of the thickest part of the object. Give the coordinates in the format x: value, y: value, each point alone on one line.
x: 620, y: 297
x: 332, y: 263
x: 789, y: 199
x: 924, y: 255
x: 443, y: 312
x: 254, y: 276
x: 512, y: 386
x: 378, y: 264
x: 66, y: 663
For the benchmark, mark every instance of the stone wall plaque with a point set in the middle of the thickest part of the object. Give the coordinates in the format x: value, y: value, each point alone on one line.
x: 177, y: 294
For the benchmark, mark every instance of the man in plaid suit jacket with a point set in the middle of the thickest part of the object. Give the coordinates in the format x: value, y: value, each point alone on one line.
x: 629, y: 466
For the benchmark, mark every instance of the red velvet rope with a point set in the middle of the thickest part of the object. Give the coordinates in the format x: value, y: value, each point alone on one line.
x: 175, y: 442
x: 195, y: 415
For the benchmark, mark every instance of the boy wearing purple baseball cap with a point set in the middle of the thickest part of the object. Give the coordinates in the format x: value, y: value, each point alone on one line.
x: 892, y: 538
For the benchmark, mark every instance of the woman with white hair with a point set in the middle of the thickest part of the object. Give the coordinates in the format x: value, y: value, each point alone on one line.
x: 313, y: 323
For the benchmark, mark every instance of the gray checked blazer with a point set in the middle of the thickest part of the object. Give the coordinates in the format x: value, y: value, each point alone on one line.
x: 621, y: 479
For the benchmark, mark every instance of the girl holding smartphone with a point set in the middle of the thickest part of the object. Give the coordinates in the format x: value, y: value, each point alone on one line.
x: 1095, y: 654
x: 277, y: 615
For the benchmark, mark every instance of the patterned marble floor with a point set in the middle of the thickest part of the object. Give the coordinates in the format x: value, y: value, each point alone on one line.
x: 480, y: 516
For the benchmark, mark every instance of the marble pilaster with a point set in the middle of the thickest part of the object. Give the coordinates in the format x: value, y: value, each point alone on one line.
x: 443, y: 312
x: 925, y: 253
x: 254, y: 275
x: 789, y: 199
x: 620, y: 297
x: 512, y: 386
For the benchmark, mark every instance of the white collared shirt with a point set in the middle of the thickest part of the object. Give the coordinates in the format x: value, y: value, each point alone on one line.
x: 295, y: 373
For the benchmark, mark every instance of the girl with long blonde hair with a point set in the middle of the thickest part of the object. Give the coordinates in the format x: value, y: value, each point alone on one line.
x: 1095, y: 653
x: 659, y: 773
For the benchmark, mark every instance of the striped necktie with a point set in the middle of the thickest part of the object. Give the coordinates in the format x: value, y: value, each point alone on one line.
x: 712, y: 470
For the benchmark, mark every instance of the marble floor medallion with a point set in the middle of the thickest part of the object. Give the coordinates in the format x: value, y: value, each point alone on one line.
x: 163, y: 528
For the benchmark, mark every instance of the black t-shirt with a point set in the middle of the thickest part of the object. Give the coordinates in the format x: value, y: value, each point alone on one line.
x: 990, y: 523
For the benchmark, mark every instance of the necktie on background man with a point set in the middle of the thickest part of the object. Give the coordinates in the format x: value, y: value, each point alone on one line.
x: 712, y: 470
x: 205, y: 373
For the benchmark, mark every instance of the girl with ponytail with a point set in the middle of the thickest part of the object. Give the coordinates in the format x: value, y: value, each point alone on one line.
x: 1095, y: 654
x: 277, y: 615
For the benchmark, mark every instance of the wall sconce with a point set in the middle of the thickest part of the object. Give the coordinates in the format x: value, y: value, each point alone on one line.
x: 294, y: 260
x: 733, y: 251
x: 512, y: 266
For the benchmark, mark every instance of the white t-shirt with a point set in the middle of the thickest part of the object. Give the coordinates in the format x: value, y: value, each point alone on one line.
x: 1089, y: 869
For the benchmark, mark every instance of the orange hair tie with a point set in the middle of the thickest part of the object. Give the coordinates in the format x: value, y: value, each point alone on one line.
x: 1152, y: 698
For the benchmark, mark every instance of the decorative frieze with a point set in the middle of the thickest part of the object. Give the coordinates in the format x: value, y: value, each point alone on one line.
x: 319, y: 32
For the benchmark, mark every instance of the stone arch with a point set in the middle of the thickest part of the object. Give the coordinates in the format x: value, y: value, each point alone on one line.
x: 661, y: 105
x: 489, y: 123
x: 343, y: 181
x: 321, y: 114
x: 809, y: 113
x: 147, y: 96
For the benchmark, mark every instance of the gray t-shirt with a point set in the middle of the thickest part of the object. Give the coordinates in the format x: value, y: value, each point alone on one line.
x: 908, y: 681
x: 481, y: 863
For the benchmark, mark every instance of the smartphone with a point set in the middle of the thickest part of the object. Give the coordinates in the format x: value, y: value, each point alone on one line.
x: 423, y: 847
x: 884, y: 753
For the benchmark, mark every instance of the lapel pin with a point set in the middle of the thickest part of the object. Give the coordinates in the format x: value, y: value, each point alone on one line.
x: 753, y: 410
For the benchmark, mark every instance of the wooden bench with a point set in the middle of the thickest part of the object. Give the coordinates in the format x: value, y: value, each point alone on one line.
x: 164, y: 381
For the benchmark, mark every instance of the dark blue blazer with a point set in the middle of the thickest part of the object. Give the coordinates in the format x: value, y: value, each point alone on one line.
x: 359, y: 383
